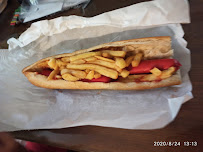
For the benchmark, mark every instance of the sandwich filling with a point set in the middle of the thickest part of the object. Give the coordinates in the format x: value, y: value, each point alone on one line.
x: 108, y: 66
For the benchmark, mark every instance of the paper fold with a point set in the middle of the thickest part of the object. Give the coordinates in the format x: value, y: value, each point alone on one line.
x: 144, y: 14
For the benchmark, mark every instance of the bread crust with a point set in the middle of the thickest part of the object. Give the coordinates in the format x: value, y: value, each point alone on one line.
x: 153, y: 47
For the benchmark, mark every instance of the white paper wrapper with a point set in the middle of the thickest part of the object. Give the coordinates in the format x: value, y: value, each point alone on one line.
x: 24, y: 106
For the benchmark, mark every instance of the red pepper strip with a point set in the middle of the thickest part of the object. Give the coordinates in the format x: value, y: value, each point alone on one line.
x: 146, y: 65
x: 101, y: 79
x: 46, y: 72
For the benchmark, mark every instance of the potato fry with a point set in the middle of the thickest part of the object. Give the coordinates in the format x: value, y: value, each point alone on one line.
x: 52, y: 63
x: 105, y: 59
x: 155, y: 71
x: 167, y: 73
x: 149, y: 77
x: 120, y: 62
x: 60, y: 63
x: 97, y: 75
x: 77, y: 73
x: 90, y: 75
x: 58, y: 76
x: 124, y: 73
x: 129, y: 60
x: 64, y: 71
x: 103, y: 63
x: 53, y: 74
x: 69, y: 77
x: 62, y: 67
x: 84, y: 55
x: 100, y: 69
x: 138, y: 76
x: 65, y: 59
x: 90, y: 59
x: 81, y: 61
x: 106, y: 55
x: 116, y: 53
x: 137, y: 59
x: 87, y: 70
x: 130, y: 78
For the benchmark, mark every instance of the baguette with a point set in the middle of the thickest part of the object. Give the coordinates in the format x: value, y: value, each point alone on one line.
x: 109, y: 61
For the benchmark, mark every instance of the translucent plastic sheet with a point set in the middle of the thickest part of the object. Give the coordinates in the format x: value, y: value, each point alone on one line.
x: 31, y: 107
x: 34, y: 9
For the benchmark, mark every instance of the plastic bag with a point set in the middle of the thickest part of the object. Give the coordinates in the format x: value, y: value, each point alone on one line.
x: 34, y: 9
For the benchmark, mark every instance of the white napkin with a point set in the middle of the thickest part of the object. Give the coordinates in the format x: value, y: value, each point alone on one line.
x: 31, y: 107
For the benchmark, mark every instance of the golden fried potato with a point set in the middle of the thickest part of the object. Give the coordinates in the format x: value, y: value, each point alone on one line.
x: 90, y: 75
x: 106, y: 55
x: 115, y: 53
x: 124, y: 73
x: 105, y: 59
x: 155, y: 71
x: 65, y: 59
x: 137, y: 59
x: 81, y: 61
x: 69, y: 77
x: 129, y: 60
x: 52, y: 63
x: 53, y: 74
x: 167, y: 73
x: 84, y: 55
x: 90, y: 59
x: 120, y: 62
x: 100, y: 69
x: 97, y: 75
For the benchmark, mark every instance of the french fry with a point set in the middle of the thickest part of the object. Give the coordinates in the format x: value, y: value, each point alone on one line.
x: 62, y: 67
x: 90, y: 59
x: 129, y: 60
x: 84, y: 55
x: 138, y: 76
x: 58, y: 76
x: 87, y: 70
x: 137, y: 59
x: 69, y: 77
x: 77, y: 73
x: 100, y: 69
x: 64, y: 71
x: 118, y: 68
x: 130, y: 78
x: 149, y: 77
x: 124, y: 73
x: 155, y: 71
x: 105, y: 59
x: 103, y: 63
x: 106, y: 55
x: 97, y: 75
x: 81, y: 61
x: 116, y: 53
x: 65, y: 59
x: 52, y: 63
x: 60, y: 63
x: 53, y: 74
x: 120, y: 62
x: 90, y: 75
x: 167, y: 73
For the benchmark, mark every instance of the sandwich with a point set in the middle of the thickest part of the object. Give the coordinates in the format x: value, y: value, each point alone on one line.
x: 135, y: 64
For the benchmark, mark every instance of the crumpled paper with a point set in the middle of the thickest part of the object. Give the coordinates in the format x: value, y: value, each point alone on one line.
x: 24, y: 106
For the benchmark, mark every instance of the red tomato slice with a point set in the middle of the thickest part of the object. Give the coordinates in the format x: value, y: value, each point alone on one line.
x: 146, y: 65
x: 46, y: 72
x: 101, y: 79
